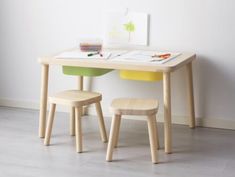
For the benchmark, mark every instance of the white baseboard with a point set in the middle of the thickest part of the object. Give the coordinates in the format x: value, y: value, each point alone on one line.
x: 217, y: 123
x: 203, y: 122
x: 26, y: 105
x: 19, y: 104
x: 160, y: 117
x: 183, y: 120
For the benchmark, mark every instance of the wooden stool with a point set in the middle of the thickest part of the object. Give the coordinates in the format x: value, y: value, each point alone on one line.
x: 126, y: 106
x: 76, y: 99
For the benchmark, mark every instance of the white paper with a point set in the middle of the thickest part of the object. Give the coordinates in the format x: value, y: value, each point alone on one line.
x: 82, y: 55
x: 124, y: 29
x: 145, y: 56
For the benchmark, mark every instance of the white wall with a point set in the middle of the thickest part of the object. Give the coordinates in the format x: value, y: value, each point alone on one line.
x: 33, y: 28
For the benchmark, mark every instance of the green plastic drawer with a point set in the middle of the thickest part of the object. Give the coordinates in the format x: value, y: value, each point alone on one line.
x: 81, y: 71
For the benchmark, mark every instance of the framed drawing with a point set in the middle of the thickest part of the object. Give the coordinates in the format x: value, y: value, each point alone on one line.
x: 126, y: 28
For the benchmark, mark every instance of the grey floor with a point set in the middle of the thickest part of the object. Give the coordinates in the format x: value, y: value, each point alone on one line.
x: 197, y: 153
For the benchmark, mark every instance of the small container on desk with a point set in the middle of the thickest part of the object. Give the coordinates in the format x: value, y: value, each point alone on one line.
x: 87, y: 45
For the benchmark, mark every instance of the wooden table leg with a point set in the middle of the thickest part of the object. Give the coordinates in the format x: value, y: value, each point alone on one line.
x: 43, y: 100
x: 81, y: 87
x: 72, y: 110
x: 167, y: 111
x: 80, y: 82
x: 190, y: 95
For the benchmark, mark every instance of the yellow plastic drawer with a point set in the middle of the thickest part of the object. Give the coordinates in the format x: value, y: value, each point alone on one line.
x: 141, y: 75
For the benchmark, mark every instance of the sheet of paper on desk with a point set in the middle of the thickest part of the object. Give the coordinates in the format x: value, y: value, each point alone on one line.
x: 146, y: 56
x: 118, y: 53
x: 83, y: 55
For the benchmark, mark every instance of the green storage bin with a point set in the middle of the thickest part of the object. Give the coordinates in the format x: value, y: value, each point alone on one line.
x: 81, y: 71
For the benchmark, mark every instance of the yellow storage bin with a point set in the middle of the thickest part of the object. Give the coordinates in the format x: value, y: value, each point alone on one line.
x: 141, y: 75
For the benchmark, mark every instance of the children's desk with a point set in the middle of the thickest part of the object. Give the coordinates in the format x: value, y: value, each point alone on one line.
x: 185, y: 59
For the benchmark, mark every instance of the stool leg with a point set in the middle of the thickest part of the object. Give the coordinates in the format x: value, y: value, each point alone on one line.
x: 50, y: 124
x: 117, y: 134
x: 157, y: 136
x: 153, y: 138
x: 78, y: 127
x: 112, y: 137
x: 101, y: 122
x: 155, y: 122
x: 72, y: 121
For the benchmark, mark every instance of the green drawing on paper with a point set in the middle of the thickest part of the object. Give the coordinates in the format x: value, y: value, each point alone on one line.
x: 129, y: 27
x: 126, y: 29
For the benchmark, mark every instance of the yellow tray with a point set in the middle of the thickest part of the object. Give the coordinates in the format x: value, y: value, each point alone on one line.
x: 141, y: 75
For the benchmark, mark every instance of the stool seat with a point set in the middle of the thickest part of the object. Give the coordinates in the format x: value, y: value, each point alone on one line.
x: 75, y: 98
x: 134, y: 106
